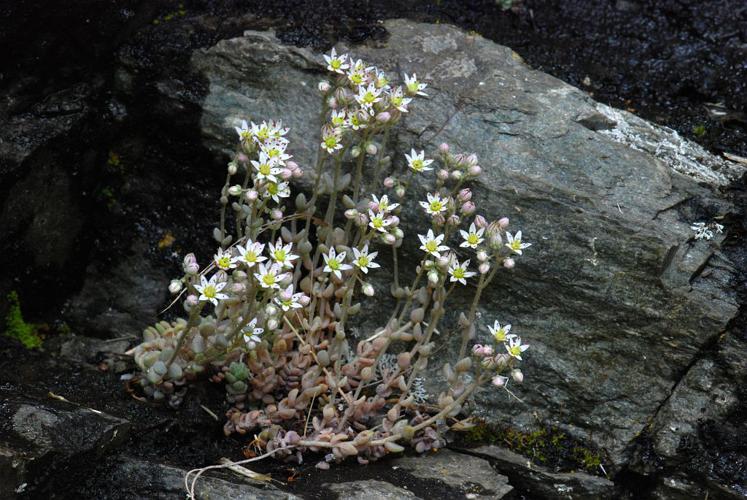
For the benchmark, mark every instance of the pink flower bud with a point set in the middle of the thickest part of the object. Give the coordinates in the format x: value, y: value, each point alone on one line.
x: 468, y: 208
x: 465, y: 195
x: 351, y: 213
x: 373, y: 206
x: 443, y: 174
x: 276, y: 214
x: 362, y: 219
x: 503, y: 221
x: 443, y: 148
x: 475, y: 170
x: 305, y: 300
x: 191, y: 300
x: 371, y: 148
x: 482, y: 255
x: 324, y: 87
x: 480, y: 222
x: 390, y: 239
x: 292, y: 165
x: 238, y: 288
x: 454, y: 219
x: 499, y: 381
x: 286, y: 294
x: 439, y: 220
x: 242, y: 158
x: 517, y: 375
x: 190, y: 265
x: 483, y: 268
x: 298, y: 173
x: 389, y: 182
x: 232, y: 168
x: 393, y: 221
x: 332, y: 103
x: 383, y: 117
x: 175, y: 286
x: 251, y: 195
x: 509, y: 263
x: 286, y: 174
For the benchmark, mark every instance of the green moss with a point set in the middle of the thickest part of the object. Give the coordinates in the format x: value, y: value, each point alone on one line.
x: 699, y: 130
x: 547, y: 446
x: 17, y: 328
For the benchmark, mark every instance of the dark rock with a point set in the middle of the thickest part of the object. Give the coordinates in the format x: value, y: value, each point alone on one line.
x: 42, y: 443
x: 614, y: 296
x: 370, y: 489
x: 132, y: 478
x: 471, y: 475
x: 538, y: 482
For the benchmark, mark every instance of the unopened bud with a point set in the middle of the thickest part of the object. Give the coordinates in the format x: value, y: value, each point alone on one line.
x: 389, y: 182
x: 175, y: 286
x: 371, y: 148
x: 238, y: 288
x: 465, y: 195
x: 286, y: 173
x: 351, y: 213
x: 468, y: 208
x: 191, y: 300
x: 517, y: 375
x: 271, y: 310
x: 383, y: 117
x: 433, y: 277
x: 400, y: 191
x: 503, y: 221
x: 190, y: 265
x: 232, y: 168
x: 332, y: 103
x: 483, y: 268
x: 368, y: 290
x: 355, y: 152
x: 456, y: 174
x: 251, y: 195
x: 443, y: 174
x: 390, y: 239
x: 272, y: 324
x: 482, y: 255
x: 480, y: 222
x: 324, y: 87
x: 235, y: 190
x: 509, y: 263
x: 454, y: 220
x: 499, y: 381
x: 475, y: 170
x: 276, y: 214
x: 443, y: 148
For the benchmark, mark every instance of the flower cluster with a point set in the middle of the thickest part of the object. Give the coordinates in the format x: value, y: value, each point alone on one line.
x: 705, y: 231
x: 269, y: 315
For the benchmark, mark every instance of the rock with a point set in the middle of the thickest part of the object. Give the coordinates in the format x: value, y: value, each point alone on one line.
x: 472, y: 476
x: 121, y: 300
x: 143, y: 479
x: 39, y: 441
x: 700, y: 429
x: 538, y: 482
x: 615, y: 297
x: 369, y: 490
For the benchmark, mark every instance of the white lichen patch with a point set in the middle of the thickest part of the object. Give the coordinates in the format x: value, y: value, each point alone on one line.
x: 680, y: 154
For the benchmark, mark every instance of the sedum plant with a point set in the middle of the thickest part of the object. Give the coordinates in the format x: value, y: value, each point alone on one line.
x: 270, y: 316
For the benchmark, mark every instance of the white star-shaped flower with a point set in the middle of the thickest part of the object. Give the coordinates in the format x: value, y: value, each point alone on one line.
x: 270, y: 276
x: 417, y: 162
x: 378, y: 221
x: 383, y: 205
x: 500, y: 333
x: 459, y: 272
x: 515, y: 347
x: 251, y: 254
x: 210, y: 290
x: 472, y: 238
x: 515, y: 244
x: 224, y: 260
x: 252, y: 334
x: 282, y: 254
x: 435, y: 204
x: 336, y: 63
x: 364, y: 260
x: 266, y: 168
x: 414, y: 87
x: 431, y: 244
x: 335, y: 263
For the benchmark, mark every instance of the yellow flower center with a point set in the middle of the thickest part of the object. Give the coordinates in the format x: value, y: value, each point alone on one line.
x: 330, y: 141
x: 265, y: 169
x: 210, y: 292
x: 377, y: 222
x: 335, y: 63
x: 363, y: 261
x: 436, y: 206
x: 500, y: 335
x: 224, y: 262
x: 333, y: 264
x: 250, y: 256
x: 368, y: 98
x: 268, y: 279
x: 356, y: 78
x: 417, y: 165
x: 516, y: 245
x: 272, y: 188
x: 458, y: 273
x: 280, y: 255
x: 515, y: 350
x: 396, y: 101
x: 473, y: 239
x: 431, y: 246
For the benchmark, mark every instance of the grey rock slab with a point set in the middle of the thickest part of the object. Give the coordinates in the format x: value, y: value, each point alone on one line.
x: 615, y: 297
x: 473, y: 476
x: 143, y: 479
x: 538, y: 482
x: 369, y: 490
x: 39, y: 440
